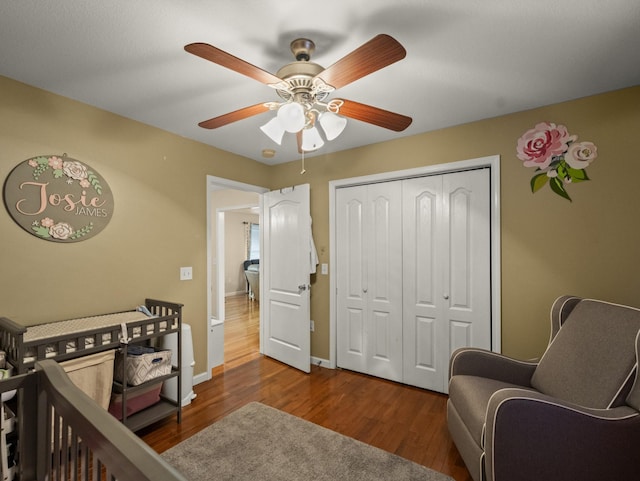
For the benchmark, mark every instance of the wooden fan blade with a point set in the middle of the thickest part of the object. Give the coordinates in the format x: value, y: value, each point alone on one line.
x: 374, y: 115
x: 240, y: 114
x: 381, y: 51
x: 215, y: 55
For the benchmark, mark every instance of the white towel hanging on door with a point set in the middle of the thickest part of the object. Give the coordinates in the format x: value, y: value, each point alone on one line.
x: 313, y: 254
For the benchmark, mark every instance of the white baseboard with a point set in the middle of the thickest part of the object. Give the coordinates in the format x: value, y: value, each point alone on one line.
x: 236, y: 293
x: 317, y: 361
x: 202, y: 377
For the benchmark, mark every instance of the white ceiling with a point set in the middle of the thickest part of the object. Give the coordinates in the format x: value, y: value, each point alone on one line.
x: 466, y: 59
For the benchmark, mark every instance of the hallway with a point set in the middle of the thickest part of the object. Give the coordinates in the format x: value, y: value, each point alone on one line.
x: 241, y: 332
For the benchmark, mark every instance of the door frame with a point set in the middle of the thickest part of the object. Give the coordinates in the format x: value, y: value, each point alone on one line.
x: 491, y: 162
x: 213, y: 184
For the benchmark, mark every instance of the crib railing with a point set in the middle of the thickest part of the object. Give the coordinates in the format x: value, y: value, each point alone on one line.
x: 65, y: 436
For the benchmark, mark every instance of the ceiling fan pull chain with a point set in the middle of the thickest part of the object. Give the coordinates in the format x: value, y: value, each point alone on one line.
x: 303, y: 169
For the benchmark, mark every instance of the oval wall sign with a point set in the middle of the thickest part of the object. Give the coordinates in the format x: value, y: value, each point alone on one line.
x: 58, y: 199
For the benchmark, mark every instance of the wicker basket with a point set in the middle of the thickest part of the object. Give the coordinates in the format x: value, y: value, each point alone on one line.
x: 143, y: 364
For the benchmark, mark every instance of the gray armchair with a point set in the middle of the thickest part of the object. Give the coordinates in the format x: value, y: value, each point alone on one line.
x: 252, y: 273
x: 574, y: 415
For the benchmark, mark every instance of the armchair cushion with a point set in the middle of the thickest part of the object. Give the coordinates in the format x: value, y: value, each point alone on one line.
x: 471, y: 395
x: 483, y: 363
x: 592, y: 358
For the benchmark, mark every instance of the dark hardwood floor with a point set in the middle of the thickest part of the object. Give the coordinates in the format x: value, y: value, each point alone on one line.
x: 404, y: 420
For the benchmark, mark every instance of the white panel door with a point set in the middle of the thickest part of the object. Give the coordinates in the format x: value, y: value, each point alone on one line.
x: 285, y: 264
x: 425, y: 335
x: 467, y: 268
x: 383, y: 285
x: 447, y: 274
x: 369, y: 279
x: 351, y: 259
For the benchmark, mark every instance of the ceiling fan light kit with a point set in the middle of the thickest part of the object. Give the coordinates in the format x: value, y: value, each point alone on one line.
x: 311, y: 139
x: 292, y: 117
x: 332, y: 124
x: 274, y: 130
x: 304, y: 86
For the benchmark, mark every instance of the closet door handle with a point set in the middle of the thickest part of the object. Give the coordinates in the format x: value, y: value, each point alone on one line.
x: 446, y: 296
x: 365, y: 290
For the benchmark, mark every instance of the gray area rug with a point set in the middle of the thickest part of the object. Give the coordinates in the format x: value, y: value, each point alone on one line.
x: 258, y: 442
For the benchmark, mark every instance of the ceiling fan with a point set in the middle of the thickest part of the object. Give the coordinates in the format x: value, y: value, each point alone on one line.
x: 304, y: 87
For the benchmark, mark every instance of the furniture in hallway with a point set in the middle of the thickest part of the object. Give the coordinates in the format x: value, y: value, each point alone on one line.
x: 252, y: 273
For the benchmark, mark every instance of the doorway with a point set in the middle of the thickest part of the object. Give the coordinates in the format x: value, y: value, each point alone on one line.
x: 241, y: 245
x: 224, y: 196
x: 241, y: 330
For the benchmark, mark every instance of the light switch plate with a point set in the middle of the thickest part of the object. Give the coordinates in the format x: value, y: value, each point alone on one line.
x: 186, y: 273
x: 324, y: 269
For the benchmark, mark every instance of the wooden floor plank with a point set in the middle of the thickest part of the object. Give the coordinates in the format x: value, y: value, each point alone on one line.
x: 404, y: 420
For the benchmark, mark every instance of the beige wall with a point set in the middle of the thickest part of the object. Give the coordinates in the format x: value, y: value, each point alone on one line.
x: 235, y: 251
x: 549, y: 245
x: 588, y: 247
x: 159, y: 223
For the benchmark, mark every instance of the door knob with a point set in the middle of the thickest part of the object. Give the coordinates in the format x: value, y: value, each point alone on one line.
x: 302, y: 287
x: 446, y: 296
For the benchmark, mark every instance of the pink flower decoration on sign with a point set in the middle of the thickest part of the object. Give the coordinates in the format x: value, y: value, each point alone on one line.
x: 61, y: 230
x: 556, y: 155
x: 55, y: 162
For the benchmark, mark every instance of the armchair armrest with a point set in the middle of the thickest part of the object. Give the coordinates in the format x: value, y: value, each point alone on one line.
x: 529, y: 435
x: 482, y: 363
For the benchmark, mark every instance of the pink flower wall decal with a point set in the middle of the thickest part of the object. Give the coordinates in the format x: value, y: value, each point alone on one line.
x: 556, y: 155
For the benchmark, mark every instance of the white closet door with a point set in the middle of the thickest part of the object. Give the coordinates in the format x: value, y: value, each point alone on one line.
x: 384, y: 280
x: 369, y: 279
x: 447, y: 274
x: 350, y: 281
x: 468, y: 266
x: 425, y: 334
